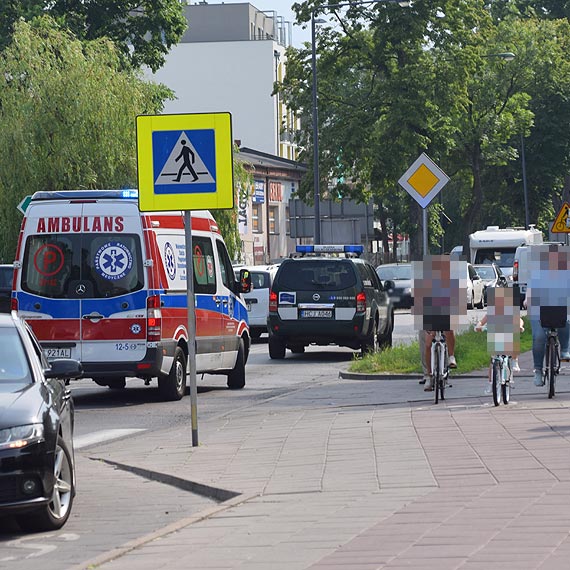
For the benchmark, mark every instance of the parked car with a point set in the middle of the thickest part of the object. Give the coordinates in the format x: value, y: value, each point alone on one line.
x: 475, y: 296
x: 6, y: 277
x: 257, y: 300
x: 492, y: 276
x: 37, y: 469
x: 322, y: 300
x: 398, y: 279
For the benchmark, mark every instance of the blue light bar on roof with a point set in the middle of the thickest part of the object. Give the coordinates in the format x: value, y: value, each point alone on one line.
x: 130, y: 193
x: 321, y: 248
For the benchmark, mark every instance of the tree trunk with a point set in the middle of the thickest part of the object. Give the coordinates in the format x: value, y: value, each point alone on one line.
x: 383, y: 232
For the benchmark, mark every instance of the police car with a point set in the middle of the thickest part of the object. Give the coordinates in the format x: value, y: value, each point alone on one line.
x: 328, y: 295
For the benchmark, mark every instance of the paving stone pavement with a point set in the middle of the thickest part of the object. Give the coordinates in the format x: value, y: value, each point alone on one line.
x: 370, y: 475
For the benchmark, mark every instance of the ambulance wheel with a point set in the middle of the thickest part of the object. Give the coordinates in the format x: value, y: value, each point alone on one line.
x: 173, y: 386
x: 236, y: 378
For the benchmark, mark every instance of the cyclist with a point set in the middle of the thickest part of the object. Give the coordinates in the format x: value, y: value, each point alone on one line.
x: 436, y: 300
x: 548, y: 287
x: 502, y: 319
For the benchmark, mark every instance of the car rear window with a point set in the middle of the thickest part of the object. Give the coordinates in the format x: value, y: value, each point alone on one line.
x: 108, y: 265
x: 311, y: 275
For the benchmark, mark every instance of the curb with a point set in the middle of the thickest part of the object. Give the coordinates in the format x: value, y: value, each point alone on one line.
x: 415, y: 376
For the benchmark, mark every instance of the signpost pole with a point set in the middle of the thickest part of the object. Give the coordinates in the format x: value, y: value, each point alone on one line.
x: 191, y: 366
x: 425, y: 230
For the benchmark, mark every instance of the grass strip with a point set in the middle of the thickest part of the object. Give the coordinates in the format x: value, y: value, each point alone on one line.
x: 470, y: 352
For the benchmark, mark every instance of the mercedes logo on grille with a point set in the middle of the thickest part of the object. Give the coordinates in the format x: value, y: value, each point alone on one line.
x: 80, y: 289
x: 316, y: 297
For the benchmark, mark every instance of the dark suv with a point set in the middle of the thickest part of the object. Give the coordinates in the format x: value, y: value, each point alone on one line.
x: 328, y: 300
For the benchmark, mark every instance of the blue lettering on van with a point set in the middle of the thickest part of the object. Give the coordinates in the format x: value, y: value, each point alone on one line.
x: 169, y: 261
x: 113, y: 261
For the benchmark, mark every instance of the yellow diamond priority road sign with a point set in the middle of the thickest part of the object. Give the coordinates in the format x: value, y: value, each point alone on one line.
x: 423, y: 180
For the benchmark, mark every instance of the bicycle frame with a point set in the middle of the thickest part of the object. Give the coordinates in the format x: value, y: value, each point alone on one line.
x: 439, y: 365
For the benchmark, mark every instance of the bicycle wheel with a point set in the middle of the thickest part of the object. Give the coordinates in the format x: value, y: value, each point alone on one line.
x: 444, y: 371
x: 436, y: 372
x: 551, y: 366
x: 506, y: 384
x: 496, y: 376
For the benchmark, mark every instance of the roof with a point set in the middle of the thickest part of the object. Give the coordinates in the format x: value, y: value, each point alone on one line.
x: 263, y: 159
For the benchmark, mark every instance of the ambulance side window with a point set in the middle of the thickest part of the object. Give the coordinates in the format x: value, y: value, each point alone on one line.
x: 228, y: 277
x: 204, y: 265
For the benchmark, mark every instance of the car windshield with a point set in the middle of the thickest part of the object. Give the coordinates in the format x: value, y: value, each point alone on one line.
x: 14, y: 367
x: 485, y: 271
x: 395, y: 272
x: 502, y: 257
x: 311, y: 275
x: 106, y: 265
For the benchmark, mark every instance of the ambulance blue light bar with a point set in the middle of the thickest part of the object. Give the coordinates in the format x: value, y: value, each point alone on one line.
x: 321, y: 248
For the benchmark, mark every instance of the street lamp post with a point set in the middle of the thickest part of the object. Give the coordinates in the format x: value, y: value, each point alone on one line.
x: 317, y: 193
x: 315, y: 113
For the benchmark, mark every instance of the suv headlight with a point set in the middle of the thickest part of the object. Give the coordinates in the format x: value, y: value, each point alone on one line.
x: 21, y: 436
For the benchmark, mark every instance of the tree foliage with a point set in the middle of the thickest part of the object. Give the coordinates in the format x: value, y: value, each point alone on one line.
x: 67, y: 110
x: 393, y: 83
x: 144, y: 30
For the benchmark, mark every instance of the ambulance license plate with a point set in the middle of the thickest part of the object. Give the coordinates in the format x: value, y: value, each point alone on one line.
x: 52, y: 353
x: 316, y: 313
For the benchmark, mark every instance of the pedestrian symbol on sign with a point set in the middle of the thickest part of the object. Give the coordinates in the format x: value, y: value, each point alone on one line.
x: 183, y: 169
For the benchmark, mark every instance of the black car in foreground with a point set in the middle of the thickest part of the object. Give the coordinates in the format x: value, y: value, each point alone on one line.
x: 322, y: 300
x: 37, y: 473
x: 400, y: 276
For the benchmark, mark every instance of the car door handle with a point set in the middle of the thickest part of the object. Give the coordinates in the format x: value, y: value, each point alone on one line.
x: 93, y: 316
x: 217, y: 300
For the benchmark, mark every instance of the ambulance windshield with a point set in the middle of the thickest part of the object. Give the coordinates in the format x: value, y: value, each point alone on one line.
x: 82, y: 265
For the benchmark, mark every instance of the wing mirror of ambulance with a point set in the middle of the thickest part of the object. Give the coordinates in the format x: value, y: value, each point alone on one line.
x: 244, y: 281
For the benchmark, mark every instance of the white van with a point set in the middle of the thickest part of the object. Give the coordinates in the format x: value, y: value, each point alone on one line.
x: 498, y: 245
x: 257, y: 300
x: 105, y: 284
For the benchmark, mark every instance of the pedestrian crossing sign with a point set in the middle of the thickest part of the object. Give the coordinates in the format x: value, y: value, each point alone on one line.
x: 185, y: 162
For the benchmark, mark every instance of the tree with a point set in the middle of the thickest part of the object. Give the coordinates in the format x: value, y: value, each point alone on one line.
x: 228, y: 219
x: 144, y: 30
x: 68, y: 112
x: 393, y: 84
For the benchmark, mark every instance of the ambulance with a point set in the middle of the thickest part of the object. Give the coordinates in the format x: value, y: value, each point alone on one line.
x: 104, y: 283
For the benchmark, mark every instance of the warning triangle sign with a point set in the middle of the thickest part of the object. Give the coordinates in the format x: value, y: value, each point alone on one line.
x: 561, y: 223
x: 184, y: 165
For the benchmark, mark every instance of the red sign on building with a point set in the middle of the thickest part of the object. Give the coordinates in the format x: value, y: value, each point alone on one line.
x: 275, y: 193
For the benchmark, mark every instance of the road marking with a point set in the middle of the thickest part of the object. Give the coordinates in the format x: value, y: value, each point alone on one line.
x: 102, y: 436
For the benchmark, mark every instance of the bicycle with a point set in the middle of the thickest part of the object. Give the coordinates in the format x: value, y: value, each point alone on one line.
x: 500, y: 374
x: 552, y: 318
x: 439, y: 365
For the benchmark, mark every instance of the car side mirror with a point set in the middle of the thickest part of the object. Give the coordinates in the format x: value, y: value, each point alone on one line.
x: 389, y: 284
x: 244, y: 281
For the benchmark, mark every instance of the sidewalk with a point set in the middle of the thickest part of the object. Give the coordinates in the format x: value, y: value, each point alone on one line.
x: 367, y: 475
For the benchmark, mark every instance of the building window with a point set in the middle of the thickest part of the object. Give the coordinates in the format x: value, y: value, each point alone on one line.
x: 287, y: 221
x: 273, y: 219
x: 256, y: 219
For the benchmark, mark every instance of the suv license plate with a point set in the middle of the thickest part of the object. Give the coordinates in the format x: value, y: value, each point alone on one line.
x: 316, y: 314
x: 52, y: 353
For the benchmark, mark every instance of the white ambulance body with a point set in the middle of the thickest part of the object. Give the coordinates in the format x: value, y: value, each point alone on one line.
x: 103, y: 283
x: 498, y: 245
